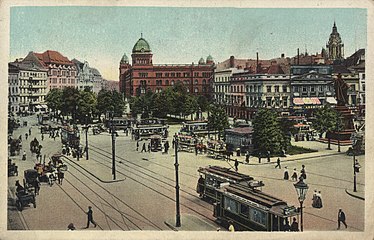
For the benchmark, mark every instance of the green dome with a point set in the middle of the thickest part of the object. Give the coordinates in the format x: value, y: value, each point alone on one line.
x: 201, y: 61
x: 124, y: 59
x: 209, y: 58
x: 141, y: 46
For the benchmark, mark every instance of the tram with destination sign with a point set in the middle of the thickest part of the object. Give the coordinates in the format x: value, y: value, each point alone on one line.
x: 196, y: 128
x: 145, y: 128
x: 250, y: 209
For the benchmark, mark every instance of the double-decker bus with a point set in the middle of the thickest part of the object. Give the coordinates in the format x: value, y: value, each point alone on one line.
x: 70, y: 136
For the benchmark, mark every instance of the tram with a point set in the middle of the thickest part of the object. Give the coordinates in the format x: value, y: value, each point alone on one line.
x: 43, y: 119
x: 145, y: 128
x: 216, y: 149
x: 212, y: 178
x: 118, y: 123
x: 251, y: 209
x: 186, y: 143
x: 196, y: 128
x: 70, y: 136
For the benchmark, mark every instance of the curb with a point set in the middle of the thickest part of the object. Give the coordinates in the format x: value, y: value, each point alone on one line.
x: 103, y: 181
x: 290, y: 160
x: 171, y: 226
x: 355, y: 196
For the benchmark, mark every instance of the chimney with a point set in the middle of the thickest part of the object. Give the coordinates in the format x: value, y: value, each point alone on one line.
x: 232, y: 61
x: 298, y: 57
x: 282, y: 55
x: 256, y: 62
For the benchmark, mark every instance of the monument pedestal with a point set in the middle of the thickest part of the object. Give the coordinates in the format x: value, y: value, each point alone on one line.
x: 344, y: 136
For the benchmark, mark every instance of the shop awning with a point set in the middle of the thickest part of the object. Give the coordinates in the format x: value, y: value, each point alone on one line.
x: 38, y: 106
x: 306, y: 101
x: 331, y: 100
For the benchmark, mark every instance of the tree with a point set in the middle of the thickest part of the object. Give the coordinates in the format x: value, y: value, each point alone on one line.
x: 110, y: 101
x: 86, y: 105
x: 287, y: 128
x: 218, y: 119
x: 326, y: 121
x: 70, y: 97
x: 54, y: 99
x: 267, y: 133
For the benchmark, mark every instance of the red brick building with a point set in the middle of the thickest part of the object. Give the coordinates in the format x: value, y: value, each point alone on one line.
x: 142, y: 75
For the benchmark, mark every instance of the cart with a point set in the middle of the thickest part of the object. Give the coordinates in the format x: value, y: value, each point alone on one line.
x: 24, y: 198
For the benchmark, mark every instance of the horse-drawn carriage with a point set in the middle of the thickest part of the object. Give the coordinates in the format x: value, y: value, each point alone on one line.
x: 156, y: 143
x: 24, y: 198
x: 216, y: 149
x: 15, y: 146
x: 97, y: 129
x: 49, y: 172
x: 12, y: 168
x: 35, y: 147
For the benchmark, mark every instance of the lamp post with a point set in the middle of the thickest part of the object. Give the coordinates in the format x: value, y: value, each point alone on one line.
x: 354, y: 141
x: 338, y: 129
x: 111, y: 115
x: 301, y: 189
x: 30, y: 93
x: 178, y: 216
x: 77, y: 148
x: 86, y: 148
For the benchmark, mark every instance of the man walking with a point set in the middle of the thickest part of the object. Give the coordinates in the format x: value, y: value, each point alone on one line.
x: 90, y: 218
x: 143, y: 148
x: 278, y: 163
x: 137, y: 145
x: 341, y: 218
x: 236, y: 165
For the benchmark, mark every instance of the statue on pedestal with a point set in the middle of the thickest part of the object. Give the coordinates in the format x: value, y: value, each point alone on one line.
x: 341, y: 91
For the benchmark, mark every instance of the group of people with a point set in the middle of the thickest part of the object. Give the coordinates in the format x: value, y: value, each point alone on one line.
x: 148, y: 148
x: 286, y: 175
x: 317, y: 199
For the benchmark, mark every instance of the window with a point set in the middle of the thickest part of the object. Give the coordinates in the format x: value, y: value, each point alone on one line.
x: 363, y: 76
x: 196, y: 82
x: 353, y: 87
x: 258, y: 216
x: 244, y: 210
x: 284, y: 88
x: 312, y: 89
x: 195, y: 74
x: 276, y: 88
x: 173, y: 74
x: 295, y: 88
x: 320, y: 88
x: 268, y: 88
x: 231, y: 205
x: 143, y: 75
x: 304, y: 89
x: 204, y: 81
x: 158, y: 75
x: 196, y: 90
x: 166, y: 74
x: 172, y: 82
x: 167, y: 82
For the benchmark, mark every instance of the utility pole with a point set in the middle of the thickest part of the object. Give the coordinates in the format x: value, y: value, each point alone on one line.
x: 178, y: 216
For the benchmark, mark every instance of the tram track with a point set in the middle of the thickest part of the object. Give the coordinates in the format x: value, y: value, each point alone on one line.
x: 143, y: 218
x: 193, y: 209
x: 152, y: 177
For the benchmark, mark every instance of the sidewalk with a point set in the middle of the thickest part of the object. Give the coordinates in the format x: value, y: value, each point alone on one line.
x: 359, y: 194
x: 321, y: 147
x: 191, y: 223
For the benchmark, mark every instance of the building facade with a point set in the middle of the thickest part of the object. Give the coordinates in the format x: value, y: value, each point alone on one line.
x: 85, y: 77
x: 27, y: 87
x: 142, y: 75
x: 221, y: 84
x: 311, y: 87
x: 61, y: 71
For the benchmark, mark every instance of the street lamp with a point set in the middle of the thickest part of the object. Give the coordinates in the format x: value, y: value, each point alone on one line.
x: 111, y: 115
x: 178, y: 216
x: 354, y: 141
x: 301, y: 189
x: 338, y: 129
x: 86, y: 148
x: 30, y: 92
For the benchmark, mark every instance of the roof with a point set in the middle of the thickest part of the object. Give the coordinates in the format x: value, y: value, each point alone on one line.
x: 141, y: 46
x: 275, y: 69
x: 25, y: 66
x: 240, y: 130
x: 51, y: 56
x: 340, y: 69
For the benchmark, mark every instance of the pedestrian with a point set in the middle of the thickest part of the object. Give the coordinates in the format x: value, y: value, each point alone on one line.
x: 259, y: 158
x: 24, y: 155
x: 247, y: 157
x: 60, y: 175
x: 314, y: 199
x: 30, y: 131
x: 231, y: 227
x: 149, y: 147
x: 294, y: 175
x: 71, y: 227
x: 294, y: 226
x: 341, y: 218
x: 286, y: 176
x: 268, y: 156
x: 236, y: 164
x: 137, y: 145
x: 26, y: 135
x: 196, y: 149
x: 286, y: 226
x: 144, y: 148
x: 42, y: 136
x: 302, y: 172
x: 90, y: 218
x: 318, y: 200
x: 278, y: 163
x: 173, y: 143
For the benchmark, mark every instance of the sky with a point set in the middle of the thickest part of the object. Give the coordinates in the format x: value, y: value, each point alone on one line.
x: 101, y: 35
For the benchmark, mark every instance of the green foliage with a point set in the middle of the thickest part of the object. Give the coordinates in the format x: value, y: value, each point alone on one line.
x: 293, y: 150
x: 53, y: 99
x: 327, y: 119
x: 218, y: 119
x: 110, y: 101
x: 267, y: 132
